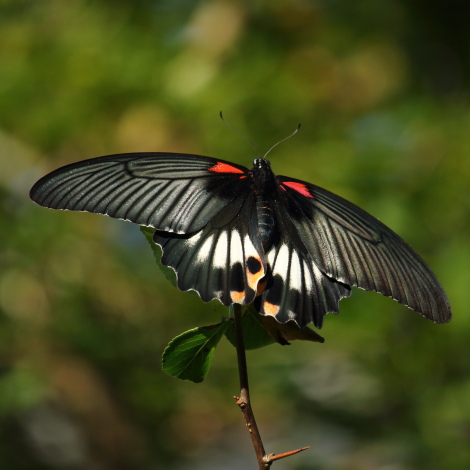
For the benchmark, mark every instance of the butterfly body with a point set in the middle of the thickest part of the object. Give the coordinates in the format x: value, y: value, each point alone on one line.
x: 288, y: 247
x: 264, y: 184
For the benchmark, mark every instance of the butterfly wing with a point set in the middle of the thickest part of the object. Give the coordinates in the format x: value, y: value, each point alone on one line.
x: 296, y: 288
x: 172, y: 192
x: 223, y: 260
x: 356, y: 249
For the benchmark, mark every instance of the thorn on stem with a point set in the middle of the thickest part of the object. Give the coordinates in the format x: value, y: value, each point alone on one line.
x: 268, y: 458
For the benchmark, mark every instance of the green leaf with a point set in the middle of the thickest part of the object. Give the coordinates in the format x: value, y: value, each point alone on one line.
x: 157, y: 252
x: 189, y: 355
x: 263, y: 330
x: 255, y: 334
x: 289, y: 331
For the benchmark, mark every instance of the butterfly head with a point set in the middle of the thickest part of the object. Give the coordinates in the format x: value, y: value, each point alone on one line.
x: 261, y: 163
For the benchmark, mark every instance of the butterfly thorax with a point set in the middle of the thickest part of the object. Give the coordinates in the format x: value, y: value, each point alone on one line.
x: 264, y: 185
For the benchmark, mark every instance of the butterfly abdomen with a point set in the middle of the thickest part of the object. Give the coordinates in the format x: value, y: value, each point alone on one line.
x: 264, y: 185
x: 266, y: 222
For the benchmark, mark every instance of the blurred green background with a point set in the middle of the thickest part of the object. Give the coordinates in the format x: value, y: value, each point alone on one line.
x: 382, y: 92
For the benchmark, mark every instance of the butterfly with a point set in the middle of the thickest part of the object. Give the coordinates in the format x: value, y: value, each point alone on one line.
x: 291, y: 249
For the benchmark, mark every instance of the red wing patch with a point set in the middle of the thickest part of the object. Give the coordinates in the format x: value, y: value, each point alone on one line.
x: 299, y: 187
x: 220, y: 167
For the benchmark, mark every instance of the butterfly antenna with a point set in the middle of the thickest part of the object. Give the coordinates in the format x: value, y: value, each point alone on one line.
x: 255, y: 148
x: 283, y: 140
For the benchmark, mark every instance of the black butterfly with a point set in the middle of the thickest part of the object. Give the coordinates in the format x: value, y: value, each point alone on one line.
x: 247, y: 236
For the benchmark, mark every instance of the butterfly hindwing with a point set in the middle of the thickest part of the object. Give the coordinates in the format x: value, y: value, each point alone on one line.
x: 296, y: 288
x: 222, y: 261
x: 172, y: 192
x: 355, y: 248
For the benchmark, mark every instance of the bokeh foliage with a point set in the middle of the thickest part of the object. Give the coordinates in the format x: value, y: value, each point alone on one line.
x: 382, y: 92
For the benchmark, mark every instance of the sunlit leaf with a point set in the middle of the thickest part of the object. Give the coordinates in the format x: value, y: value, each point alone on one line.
x: 189, y: 355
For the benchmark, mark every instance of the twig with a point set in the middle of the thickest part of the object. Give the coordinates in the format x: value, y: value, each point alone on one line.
x: 243, y: 401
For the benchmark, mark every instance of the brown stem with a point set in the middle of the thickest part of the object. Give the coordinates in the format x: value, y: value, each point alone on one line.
x: 243, y: 401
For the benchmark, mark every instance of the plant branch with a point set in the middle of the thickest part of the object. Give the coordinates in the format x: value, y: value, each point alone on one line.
x: 243, y: 401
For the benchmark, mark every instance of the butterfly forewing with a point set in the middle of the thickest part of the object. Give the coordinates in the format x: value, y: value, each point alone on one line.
x: 355, y: 248
x: 172, y: 192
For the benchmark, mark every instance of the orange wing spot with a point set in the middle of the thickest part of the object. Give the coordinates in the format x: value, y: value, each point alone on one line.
x: 270, y: 309
x: 254, y: 271
x: 237, y: 297
x: 220, y: 167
